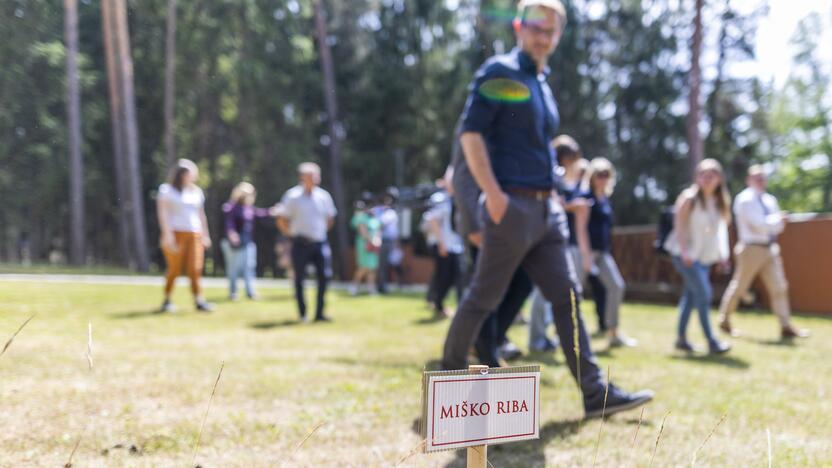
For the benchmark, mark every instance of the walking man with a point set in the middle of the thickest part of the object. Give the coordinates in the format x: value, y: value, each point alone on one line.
x: 306, y: 215
x: 509, y: 119
x: 492, y: 344
x: 759, y: 222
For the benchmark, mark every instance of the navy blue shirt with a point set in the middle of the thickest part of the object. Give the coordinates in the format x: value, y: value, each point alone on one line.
x: 517, y: 131
x: 570, y: 194
x: 600, y: 222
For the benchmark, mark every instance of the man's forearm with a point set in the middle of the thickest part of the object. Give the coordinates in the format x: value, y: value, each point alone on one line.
x: 476, y: 155
x: 283, y: 226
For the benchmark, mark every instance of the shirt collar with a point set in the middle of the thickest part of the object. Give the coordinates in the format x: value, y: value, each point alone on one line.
x: 527, y: 64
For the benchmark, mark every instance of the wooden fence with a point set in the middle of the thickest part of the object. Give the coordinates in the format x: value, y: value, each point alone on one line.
x: 807, y: 257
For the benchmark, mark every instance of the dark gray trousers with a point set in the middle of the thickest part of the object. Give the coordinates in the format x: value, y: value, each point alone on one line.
x: 531, y: 235
x: 384, y: 264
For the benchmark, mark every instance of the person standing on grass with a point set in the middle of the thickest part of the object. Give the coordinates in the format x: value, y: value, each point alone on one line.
x: 509, y: 120
x: 446, y: 247
x: 367, y: 247
x: 759, y: 222
x: 307, y: 213
x: 184, y: 235
x: 572, y: 166
x: 594, y: 234
x: 389, y: 219
x: 238, y: 247
x: 699, y: 240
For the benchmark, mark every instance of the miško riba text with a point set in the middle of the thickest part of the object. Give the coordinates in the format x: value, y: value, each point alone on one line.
x: 465, y: 409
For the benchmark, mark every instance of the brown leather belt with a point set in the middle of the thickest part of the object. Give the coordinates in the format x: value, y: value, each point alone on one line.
x: 539, y: 195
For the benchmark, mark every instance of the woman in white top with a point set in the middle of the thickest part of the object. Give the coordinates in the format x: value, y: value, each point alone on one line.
x: 698, y: 241
x: 183, y: 230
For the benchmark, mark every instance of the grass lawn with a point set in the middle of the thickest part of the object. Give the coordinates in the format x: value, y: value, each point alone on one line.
x: 357, y: 380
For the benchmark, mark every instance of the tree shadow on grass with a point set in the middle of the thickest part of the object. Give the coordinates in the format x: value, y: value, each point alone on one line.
x: 530, y: 453
x: 138, y: 314
x: 430, y: 320
x: 547, y: 358
x: 273, y: 324
x: 781, y: 342
x: 723, y: 360
x: 275, y: 297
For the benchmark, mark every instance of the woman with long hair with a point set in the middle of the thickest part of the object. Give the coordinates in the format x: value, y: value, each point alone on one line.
x: 183, y: 228
x: 594, y: 236
x: 699, y: 240
x: 238, y: 246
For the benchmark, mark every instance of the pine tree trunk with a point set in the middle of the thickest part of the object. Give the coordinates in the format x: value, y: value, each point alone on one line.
x: 131, y: 133
x: 76, y: 163
x: 117, y: 133
x: 331, y: 100
x: 695, y: 144
x: 170, y: 79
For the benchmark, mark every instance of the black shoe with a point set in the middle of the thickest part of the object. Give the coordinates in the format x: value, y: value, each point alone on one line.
x: 718, y: 347
x: 684, y: 345
x: 617, y: 401
x: 204, y: 307
x: 323, y: 318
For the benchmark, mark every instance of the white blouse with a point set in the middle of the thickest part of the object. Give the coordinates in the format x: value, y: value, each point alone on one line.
x: 185, y: 207
x: 707, y: 236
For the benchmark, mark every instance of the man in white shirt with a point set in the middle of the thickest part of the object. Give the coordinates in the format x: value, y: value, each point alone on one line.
x: 759, y: 221
x: 307, y: 213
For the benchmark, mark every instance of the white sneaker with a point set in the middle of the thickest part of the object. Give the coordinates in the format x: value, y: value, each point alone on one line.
x: 622, y: 341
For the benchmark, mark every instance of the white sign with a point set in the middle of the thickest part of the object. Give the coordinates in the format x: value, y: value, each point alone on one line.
x: 465, y: 410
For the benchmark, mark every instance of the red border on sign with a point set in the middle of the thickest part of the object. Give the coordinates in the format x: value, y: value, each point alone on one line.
x: 433, y: 419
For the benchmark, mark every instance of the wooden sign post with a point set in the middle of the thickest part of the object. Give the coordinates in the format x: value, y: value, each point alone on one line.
x: 477, y: 455
x: 478, y: 407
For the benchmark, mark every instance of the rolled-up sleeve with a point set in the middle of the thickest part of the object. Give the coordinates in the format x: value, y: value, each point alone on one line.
x: 480, y: 111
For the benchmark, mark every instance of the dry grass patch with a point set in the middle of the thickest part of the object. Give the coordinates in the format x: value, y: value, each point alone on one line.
x: 347, y: 393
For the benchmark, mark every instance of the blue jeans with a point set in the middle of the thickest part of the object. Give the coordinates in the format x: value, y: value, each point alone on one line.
x: 241, y: 261
x: 697, y: 293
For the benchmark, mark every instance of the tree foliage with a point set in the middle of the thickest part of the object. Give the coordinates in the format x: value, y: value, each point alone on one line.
x: 249, y: 102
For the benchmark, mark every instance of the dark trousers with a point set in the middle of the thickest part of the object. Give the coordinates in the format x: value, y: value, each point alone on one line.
x: 599, y: 295
x: 533, y: 235
x: 494, y: 329
x: 384, y: 264
x: 319, y: 255
x: 447, y: 274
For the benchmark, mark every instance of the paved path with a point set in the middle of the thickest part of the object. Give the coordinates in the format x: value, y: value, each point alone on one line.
x: 159, y: 281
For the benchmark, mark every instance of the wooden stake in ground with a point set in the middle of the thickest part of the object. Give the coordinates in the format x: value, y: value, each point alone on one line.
x: 477, y: 455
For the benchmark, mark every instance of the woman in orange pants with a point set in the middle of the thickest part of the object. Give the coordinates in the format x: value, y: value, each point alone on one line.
x: 184, y: 231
